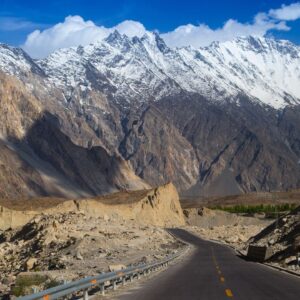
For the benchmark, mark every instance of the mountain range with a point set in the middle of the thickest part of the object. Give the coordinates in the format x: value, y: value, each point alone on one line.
x: 129, y: 113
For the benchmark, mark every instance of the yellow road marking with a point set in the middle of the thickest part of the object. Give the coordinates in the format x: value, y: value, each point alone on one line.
x: 228, y: 293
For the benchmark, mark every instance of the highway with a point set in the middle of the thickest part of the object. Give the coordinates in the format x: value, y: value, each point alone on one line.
x: 215, y: 272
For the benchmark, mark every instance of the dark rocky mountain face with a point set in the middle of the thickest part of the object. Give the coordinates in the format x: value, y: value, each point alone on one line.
x: 126, y: 112
x: 157, y: 150
x: 240, y: 148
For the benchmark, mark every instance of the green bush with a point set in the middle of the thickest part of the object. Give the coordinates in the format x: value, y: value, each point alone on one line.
x: 23, y: 283
x: 52, y: 283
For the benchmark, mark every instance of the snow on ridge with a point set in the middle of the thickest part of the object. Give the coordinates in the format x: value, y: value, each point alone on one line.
x: 12, y: 60
x: 139, y: 69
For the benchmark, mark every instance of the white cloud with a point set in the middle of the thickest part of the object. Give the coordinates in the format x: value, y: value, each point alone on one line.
x: 131, y: 28
x: 203, y: 35
x: 286, y: 12
x: 74, y: 31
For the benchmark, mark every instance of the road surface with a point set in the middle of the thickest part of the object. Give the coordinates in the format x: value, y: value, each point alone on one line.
x: 215, y: 272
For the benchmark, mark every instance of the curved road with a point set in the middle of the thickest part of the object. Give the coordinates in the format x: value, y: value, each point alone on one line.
x: 215, y: 272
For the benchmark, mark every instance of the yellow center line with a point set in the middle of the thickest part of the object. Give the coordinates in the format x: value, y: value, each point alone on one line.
x: 228, y: 293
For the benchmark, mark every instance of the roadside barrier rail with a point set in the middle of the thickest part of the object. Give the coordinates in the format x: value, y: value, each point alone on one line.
x: 102, y: 281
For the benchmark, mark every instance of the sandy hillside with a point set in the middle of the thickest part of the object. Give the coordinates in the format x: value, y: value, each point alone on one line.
x: 159, y: 206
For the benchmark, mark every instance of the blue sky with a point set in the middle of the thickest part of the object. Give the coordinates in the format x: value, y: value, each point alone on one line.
x: 18, y: 18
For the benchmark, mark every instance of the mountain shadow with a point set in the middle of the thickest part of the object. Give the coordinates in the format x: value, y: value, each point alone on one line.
x: 50, y: 164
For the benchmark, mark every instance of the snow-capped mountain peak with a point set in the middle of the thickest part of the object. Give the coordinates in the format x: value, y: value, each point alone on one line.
x: 16, y: 61
x: 136, y: 70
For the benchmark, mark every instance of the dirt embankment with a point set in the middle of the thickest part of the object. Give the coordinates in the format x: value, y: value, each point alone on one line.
x: 282, y: 239
x: 159, y: 207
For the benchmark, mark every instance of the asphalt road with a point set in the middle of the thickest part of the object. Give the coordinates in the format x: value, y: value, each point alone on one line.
x: 215, y: 272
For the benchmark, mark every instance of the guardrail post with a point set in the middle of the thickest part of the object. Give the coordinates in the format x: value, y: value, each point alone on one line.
x: 138, y: 275
x: 124, y: 280
x: 131, y: 278
x: 102, y: 289
x: 85, y: 295
x: 114, y: 285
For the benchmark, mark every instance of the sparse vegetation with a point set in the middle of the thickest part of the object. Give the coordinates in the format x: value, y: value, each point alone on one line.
x: 261, y: 208
x: 24, y: 283
x: 51, y: 283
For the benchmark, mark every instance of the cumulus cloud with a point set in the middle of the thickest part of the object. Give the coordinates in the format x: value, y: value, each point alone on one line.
x: 203, y: 35
x: 74, y: 31
x: 131, y: 28
x: 286, y: 12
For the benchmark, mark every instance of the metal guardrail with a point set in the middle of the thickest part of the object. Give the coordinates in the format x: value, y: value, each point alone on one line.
x: 103, y: 281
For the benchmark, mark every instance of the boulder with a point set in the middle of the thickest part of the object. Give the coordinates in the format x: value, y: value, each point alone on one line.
x: 271, y: 242
x: 78, y: 255
x: 115, y: 268
x: 290, y: 259
x: 232, y: 239
x: 31, y: 263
